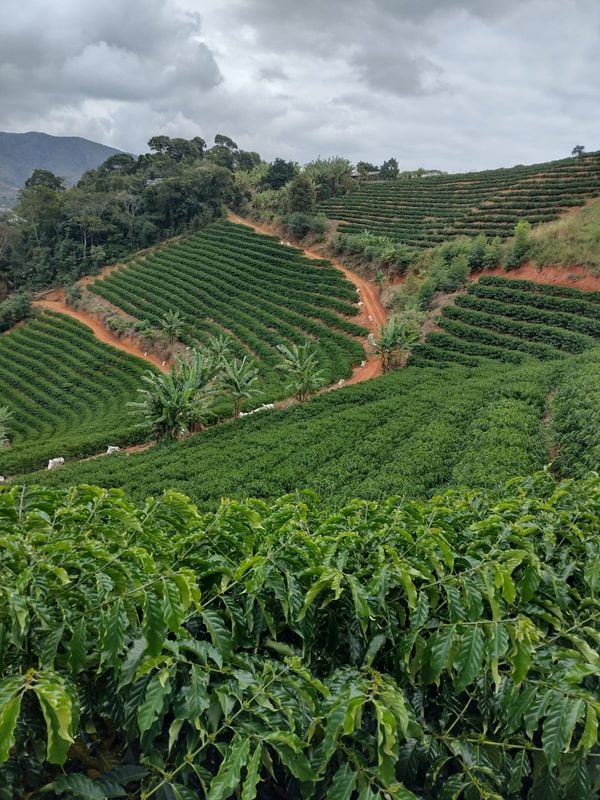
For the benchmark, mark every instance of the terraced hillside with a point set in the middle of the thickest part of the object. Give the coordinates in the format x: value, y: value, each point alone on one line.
x: 426, y: 211
x: 67, y: 392
x: 512, y: 320
x: 408, y: 433
x: 230, y: 280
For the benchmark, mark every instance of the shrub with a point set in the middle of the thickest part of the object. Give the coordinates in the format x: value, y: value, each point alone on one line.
x: 73, y: 294
x: 408, y: 649
x: 15, y: 308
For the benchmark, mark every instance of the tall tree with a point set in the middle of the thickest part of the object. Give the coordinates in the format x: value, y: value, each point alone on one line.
x: 238, y: 380
x: 43, y: 177
x: 279, y: 173
x: 389, y: 169
x: 301, y: 366
x: 172, y: 325
x: 331, y: 176
x: 301, y: 194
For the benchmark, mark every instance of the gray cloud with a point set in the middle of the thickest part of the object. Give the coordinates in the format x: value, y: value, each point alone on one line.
x: 142, y: 50
x: 454, y: 84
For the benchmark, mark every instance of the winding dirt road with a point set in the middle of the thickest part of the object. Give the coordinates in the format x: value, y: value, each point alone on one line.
x: 373, y: 315
x: 55, y: 302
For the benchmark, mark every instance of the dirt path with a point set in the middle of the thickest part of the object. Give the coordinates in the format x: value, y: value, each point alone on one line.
x: 372, y: 315
x: 55, y: 302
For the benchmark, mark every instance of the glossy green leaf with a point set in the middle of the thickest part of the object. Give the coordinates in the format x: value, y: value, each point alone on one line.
x: 561, y: 718
x: 228, y: 777
x: 220, y: 636
x: 343, y: 783
x: 469, y: 657
x: 437, y: 653
x: 9, y: 713
x: 59, y: 713
x: 252, y: 778
x: 154, y: 626
x: 157, y: 691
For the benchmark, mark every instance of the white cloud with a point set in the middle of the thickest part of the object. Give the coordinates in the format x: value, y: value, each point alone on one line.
x: 453, y: 84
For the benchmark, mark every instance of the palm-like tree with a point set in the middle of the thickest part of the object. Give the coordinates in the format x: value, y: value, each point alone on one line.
x: 180, y: 401
x: 396, y: 337
x: 5, y: 418
x: 172, y: 325
x: 238, y: 379
x: 219, y: 347
x: 301, y: 365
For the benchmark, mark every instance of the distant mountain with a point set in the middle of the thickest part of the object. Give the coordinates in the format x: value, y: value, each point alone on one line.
x: 67, y: 156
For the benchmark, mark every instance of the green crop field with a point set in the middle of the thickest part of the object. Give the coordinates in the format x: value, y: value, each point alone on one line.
x: 422, y: 212
x: 67, y: 392
x: 230, y: 280
x: 388, y: 591
x: 408, y: 433
x: 511, y: 320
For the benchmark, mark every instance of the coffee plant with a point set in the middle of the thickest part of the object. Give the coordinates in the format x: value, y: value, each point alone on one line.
x: 230, y: 280
x: 437, y: 649
x: 426, y: 211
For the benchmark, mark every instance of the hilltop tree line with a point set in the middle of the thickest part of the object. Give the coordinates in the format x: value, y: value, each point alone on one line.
x: 58, y: 234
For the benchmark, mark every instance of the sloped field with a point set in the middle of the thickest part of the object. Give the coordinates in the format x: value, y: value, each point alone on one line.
x: 407, y: 433
x: 68, y: 392
x: 511, y: 320
x: 422, y: 212
x: 230, y: 280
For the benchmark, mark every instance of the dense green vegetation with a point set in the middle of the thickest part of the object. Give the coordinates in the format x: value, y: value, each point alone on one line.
x: 67, y: 392
x: 58, y: 234
x: 409, y: 650
x: 576, y: 417
x: 313, y: 646
x: 509, y: 320
x: 409, y: 433
x: 227, y: 279
x: 421, y: 212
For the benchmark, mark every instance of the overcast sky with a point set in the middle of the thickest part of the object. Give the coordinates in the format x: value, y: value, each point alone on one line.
x: 447, y: 84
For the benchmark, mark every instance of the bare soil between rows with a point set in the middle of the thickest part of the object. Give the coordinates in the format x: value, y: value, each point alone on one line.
x: 576, y: 276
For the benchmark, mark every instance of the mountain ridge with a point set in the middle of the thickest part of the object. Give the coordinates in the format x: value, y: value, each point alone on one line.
x: 66, y: 156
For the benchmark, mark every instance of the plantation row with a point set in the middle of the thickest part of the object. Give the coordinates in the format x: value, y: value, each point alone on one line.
x: 510, y: 320
x: 427, y: 211
x: 576, y: 417
x: 230, y: 280
x: 409, y: 433
x: 67, y: 392
x: 408, y: 650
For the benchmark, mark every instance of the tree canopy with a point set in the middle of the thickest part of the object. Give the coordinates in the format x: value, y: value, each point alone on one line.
x: 127, y: 203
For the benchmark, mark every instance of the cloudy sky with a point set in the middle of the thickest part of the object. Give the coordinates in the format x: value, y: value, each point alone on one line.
x: 448, y: 84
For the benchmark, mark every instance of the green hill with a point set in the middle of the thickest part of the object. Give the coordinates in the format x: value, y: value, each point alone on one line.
x: 422, y: 212
x: 390, y: 591
x: 229, y: 280
x: 67, y: 392
x: 510, y: 320
x: 409, y: 433
x: 66, y: 156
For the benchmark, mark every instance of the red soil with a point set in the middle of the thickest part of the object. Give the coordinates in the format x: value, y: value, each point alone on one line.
x: 54, y: 301
x: 577, y: 277
x: 372, y: 315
